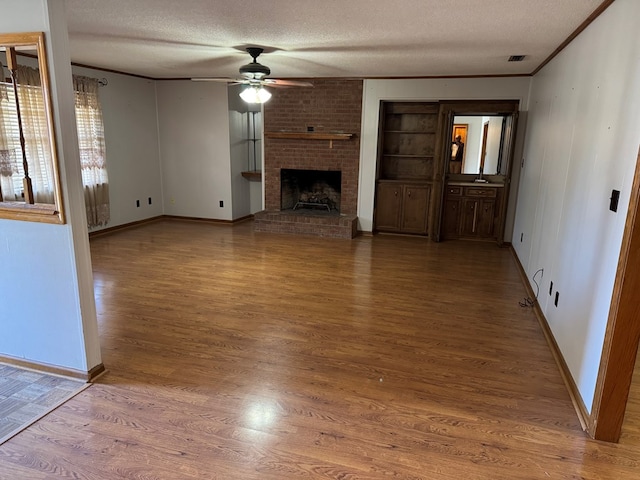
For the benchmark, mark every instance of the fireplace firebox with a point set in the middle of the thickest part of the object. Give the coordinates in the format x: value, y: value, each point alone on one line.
x: 317, y: 190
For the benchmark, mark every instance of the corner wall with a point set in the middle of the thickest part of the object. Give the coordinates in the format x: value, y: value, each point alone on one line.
x: 582, y: 141
x: 193, y: 127
x: 247, y: 193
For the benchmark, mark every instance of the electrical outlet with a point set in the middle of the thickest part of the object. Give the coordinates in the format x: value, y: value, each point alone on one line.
x: 550, y: 288
x: 555, y: 302
x: 221, y: 204
x: 138, y: 203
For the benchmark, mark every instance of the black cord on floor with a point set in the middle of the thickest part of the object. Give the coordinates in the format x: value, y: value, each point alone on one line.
x: 528, y: 301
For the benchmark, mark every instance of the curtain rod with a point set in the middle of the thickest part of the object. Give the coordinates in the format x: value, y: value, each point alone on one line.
x: 103, y: 82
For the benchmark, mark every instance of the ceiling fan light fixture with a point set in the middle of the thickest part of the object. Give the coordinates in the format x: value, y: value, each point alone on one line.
x: 255, y: 95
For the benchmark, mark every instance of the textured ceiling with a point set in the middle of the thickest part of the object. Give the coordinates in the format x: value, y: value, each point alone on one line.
x: 321, y: 38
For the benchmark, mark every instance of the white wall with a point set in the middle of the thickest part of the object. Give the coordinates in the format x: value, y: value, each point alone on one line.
x: 131, y: 143
x: 582, y: 141
x: 514, y: 88
x: 193, y: 125
x: 47, y: 312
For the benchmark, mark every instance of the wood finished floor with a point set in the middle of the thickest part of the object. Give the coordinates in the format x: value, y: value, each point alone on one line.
x: 237, y: 355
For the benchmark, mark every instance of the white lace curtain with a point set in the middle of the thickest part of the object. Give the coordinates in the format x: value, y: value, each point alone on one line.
x: 34, y: 125
x: 92, y: 150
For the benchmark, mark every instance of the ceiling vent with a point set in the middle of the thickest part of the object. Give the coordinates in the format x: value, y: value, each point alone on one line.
x: 516, y: 58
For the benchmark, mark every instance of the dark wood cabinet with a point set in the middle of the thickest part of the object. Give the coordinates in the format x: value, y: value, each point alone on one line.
x: 470, y: 212
x: 477, y: 217
x: 402, y: 208
x: 451, y: 212
x: 388, y: 206
x: 415, y: 209
x: 406, y: 166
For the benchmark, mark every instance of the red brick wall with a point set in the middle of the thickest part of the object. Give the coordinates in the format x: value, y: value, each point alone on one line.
x: 331, y: 106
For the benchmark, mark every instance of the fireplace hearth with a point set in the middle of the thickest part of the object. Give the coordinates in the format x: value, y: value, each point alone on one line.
x: 310, y: 204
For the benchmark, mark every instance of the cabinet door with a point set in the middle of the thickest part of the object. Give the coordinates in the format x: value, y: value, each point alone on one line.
x: 388, y: 206
x: 486, y: 212
x: 451, y: 217
x: 469, y: 221
x: 415, y: 209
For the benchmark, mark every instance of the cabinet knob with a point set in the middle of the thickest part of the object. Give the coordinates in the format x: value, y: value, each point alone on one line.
x: 409, y: 193
x: 396, y: 193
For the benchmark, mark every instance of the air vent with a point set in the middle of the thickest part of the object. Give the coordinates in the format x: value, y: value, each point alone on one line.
x: 516, y: 58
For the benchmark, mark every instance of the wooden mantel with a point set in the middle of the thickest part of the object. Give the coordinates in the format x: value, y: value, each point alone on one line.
x: 310, y: 136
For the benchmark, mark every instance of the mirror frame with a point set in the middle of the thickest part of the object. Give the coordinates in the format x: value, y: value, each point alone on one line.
x: 39, y: 212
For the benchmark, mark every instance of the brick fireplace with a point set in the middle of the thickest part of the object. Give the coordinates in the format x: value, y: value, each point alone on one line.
x: 313, y: 130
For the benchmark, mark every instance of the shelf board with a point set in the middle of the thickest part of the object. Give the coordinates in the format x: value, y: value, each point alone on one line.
x: 252, y: 175
x: 413, y: 180
x: 310, y: 136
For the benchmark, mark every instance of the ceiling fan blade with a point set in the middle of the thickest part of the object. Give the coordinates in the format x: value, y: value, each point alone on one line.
x: 272, y: 82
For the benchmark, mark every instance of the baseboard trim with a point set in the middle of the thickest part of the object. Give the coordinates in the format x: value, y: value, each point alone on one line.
x: 124, y: 226
x: 53, y: 369
x: 138, y: 223
x: 576, y: 399
x: 207, y: 220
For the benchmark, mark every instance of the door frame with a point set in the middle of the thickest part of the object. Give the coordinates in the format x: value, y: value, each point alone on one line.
x: 622, y: 335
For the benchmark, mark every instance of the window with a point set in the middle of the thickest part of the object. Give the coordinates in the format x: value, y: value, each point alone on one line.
x: 29, y: 181
x: 39, y: 162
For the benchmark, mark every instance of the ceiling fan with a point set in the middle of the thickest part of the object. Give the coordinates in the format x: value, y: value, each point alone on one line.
x: 254, y: 76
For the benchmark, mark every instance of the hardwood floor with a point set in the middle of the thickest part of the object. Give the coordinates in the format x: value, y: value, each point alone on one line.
x: 239, y: 355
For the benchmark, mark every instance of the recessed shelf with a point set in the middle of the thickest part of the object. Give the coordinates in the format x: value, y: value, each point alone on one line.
x: 252, y: 175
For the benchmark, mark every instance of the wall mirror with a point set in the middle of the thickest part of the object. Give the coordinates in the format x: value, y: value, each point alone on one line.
x: 478, y: 145
x: 29, y: 177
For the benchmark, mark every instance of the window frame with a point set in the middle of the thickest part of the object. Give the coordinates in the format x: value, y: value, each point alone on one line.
x: 39, y: 212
